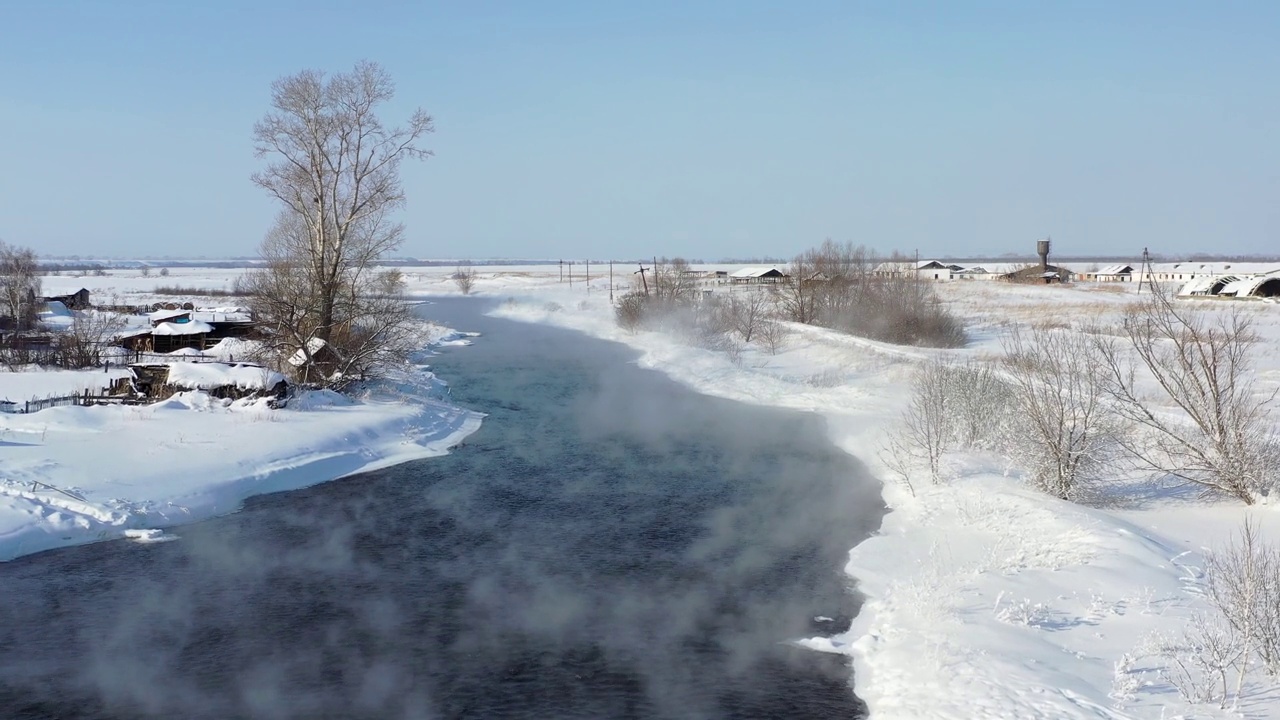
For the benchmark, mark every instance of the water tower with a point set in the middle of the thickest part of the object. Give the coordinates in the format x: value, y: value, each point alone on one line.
x: 1042, y: 249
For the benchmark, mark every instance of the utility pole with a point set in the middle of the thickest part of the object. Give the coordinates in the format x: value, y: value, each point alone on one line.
x: 570, y: 274
x: 645, y: 282
x: 561, y: 271
x: 588, y: 276
x: 610, y: 282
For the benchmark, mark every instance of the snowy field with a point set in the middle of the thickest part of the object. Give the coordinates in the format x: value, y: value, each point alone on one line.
x: 984, y: 599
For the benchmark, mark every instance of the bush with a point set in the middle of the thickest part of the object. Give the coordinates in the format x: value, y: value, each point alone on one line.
x: 1222, y: 439
x: 629, y: 311
x: 1066, y: 433
x: 836, y: 286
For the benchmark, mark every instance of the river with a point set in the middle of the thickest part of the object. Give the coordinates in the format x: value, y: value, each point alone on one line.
x: 609, y: 544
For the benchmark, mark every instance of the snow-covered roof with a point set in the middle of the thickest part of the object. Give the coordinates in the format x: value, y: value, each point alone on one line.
x: 974, y: 270
x: 893, y: 266
x: 206, y: 376
x: 195, y: 327
x: 755, y: 272
x: 929, y: 265
x: 163, y: 315
x: 56, y: 308
x: 1115, y: 270
x: 314, y: 345
x: 1201, y: 285
x: 1245, y: 287
x: 1216, y: 268
x: 133, y: 333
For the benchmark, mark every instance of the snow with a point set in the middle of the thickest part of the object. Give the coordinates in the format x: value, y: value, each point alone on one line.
x: 299, y: 358
x: 160, y: 316
x: 753, y: 272
x: 33, y: 383
x: 984, y: 599
x: 209, y: 375
x: 72, y: 475
x: 192, y: 327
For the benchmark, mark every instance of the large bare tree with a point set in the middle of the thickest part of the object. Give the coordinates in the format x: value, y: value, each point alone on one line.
x: 19, y: 284
x: 335, y: 169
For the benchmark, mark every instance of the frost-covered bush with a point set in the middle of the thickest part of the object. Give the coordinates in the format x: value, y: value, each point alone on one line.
x: 1242, y: 580
x: 1022, y: 612
x: 1207, y: 664
x: 952, y: 406
x: 1066, y: 434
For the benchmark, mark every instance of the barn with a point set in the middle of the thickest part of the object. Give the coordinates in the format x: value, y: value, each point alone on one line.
x: 756, y: 276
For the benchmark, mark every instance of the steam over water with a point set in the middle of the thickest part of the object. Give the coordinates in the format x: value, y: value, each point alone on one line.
x: 608, y: 545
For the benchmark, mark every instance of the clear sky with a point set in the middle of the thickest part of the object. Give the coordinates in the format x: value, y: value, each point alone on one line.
x: 708, y: 129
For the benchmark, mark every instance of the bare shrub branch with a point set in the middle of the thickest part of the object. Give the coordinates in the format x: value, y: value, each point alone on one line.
x: 774, y: 335
x: 1221, y: 437
x: 465, y: 278
x: 1066, y: 432
x: 746, y: 312
x: 1243, y: 582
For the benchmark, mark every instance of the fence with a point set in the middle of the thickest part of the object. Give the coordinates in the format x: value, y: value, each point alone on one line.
x: 85, y: 399
x: 162, y: 358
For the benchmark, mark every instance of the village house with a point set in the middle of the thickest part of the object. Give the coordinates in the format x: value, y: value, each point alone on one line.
x: 756, y: 276
x: 921, y: 269
x: 318, y: 361
x: 1110, y: 273
x: 233, y: 381
x: 78, y: 300
x: 185, y: 328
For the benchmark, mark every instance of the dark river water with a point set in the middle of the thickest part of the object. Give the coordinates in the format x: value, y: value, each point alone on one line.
x: 608, y: 545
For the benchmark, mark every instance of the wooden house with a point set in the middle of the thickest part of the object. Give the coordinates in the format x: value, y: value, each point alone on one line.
x: 157, y: 381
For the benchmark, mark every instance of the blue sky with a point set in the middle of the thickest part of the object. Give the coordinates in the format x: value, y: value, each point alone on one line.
x: 708, y: 129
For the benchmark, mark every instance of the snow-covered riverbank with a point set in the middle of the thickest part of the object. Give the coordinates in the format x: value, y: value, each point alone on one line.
x: 191, y: 457
x: 984, y: 599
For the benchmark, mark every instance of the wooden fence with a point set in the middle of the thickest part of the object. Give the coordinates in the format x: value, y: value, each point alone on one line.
x: 86, y: 398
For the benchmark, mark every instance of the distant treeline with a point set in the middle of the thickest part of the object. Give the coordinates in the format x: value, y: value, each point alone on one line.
x: 82, y: 266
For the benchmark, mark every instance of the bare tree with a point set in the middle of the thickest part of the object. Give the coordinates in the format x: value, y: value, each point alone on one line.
x: 164, y: 272
x: 1067, y: 432
x: 90, y: 334
x: 674, y: 282
x: 373, y: 325
x: 746, y: 312
x: 144, y: 271
x: 1221, y: 439
x: 797, y: 295
x: 465, y: 277
x: 19, y: 285
x: 774, y: 335
x: 927, y: 429
x: 336, y: 171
